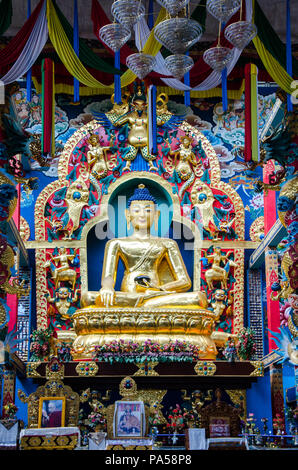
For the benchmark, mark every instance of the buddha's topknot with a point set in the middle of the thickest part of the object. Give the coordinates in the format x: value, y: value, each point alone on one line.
x: 141, y: 193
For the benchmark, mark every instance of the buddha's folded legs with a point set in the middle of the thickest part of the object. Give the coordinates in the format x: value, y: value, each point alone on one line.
x: 121, y: 299
x: 183, y: 299
x: 152, y: 299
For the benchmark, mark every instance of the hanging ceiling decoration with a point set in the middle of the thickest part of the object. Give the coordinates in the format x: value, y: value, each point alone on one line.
x: 141, y: 64
x: 114, y: 35
x: 223, y: 10
x: 179, y: 64
x: 128, y: 12
x: 218, y: 57
x: 240, y: 33
x: 178, y: 34
x: 173, y: 6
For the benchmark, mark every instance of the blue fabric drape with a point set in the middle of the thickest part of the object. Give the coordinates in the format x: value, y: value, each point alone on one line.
x: 187, y: 82
x: 29, y: 73
x: 150, y: 15
x: 117, y: 81
x: 224, y: 88
x: 76, y: 47
x: 289, y: 52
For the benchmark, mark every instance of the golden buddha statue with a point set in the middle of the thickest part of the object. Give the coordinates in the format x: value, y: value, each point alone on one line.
x: 154, y: 299
x: 144, y: 257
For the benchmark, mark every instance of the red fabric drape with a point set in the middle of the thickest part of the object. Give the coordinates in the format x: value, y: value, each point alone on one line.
x: 247, y: 138
x: 62, y: 75
x: 11, y: 52
x: 47, y: 102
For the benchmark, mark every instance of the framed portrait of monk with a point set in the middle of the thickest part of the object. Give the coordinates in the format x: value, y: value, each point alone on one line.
x: 51, y: 412
x: 129, y: 419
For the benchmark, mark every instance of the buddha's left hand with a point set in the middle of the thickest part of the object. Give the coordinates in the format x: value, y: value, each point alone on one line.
x: 107, y: 296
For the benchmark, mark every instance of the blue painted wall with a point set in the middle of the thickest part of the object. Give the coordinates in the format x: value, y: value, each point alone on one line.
x: 258, y: 400
x: 288, y: 382
x: 27, y: 386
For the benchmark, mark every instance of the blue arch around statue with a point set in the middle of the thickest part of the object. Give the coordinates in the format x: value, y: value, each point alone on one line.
x: 118, y: 203
x: 116, y: 227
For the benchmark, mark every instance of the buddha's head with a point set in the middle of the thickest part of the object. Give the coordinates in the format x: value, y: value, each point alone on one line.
x: 142, y: 209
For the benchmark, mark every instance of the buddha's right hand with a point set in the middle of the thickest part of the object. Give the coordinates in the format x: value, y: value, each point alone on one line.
x: 107, y: 296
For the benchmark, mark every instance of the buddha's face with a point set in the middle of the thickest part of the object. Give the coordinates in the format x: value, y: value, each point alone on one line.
x: 142, y: 214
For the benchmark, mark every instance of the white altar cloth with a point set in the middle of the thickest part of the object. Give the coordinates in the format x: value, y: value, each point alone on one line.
x: 197, y: 439
x: 97, y: 441
x: 65, y: 431
x: 8, y: 436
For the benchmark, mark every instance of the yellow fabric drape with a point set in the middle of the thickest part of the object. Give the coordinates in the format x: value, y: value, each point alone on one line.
x: 73, y: 64
x: 65, y: 50
x: 86, y: 91
x: 275, y: 70
x: 212, y: 93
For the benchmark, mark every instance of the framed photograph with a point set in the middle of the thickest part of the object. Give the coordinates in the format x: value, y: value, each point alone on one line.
x: 219, y: 426
x: 129, y: 419
x: 51, y: 412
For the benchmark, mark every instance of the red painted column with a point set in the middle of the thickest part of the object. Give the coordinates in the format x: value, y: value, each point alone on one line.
x: 271, y: 258
x: 12, y: 300
x: 273, y: 313
x: 269, y: 198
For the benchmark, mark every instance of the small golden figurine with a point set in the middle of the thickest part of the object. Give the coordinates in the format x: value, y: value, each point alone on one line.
x: 202, y: 199
x: 63, y: 299
x: 138, y: 134
x: 221, y: 302
x: 186, y: 158
x: 76, y: 198
x: 10, y: 284
x: 218, y: 272
x: 62, y: 272
x: 97, y: 157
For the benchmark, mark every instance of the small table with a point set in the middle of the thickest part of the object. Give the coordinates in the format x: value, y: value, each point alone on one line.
x: 9, y: 429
